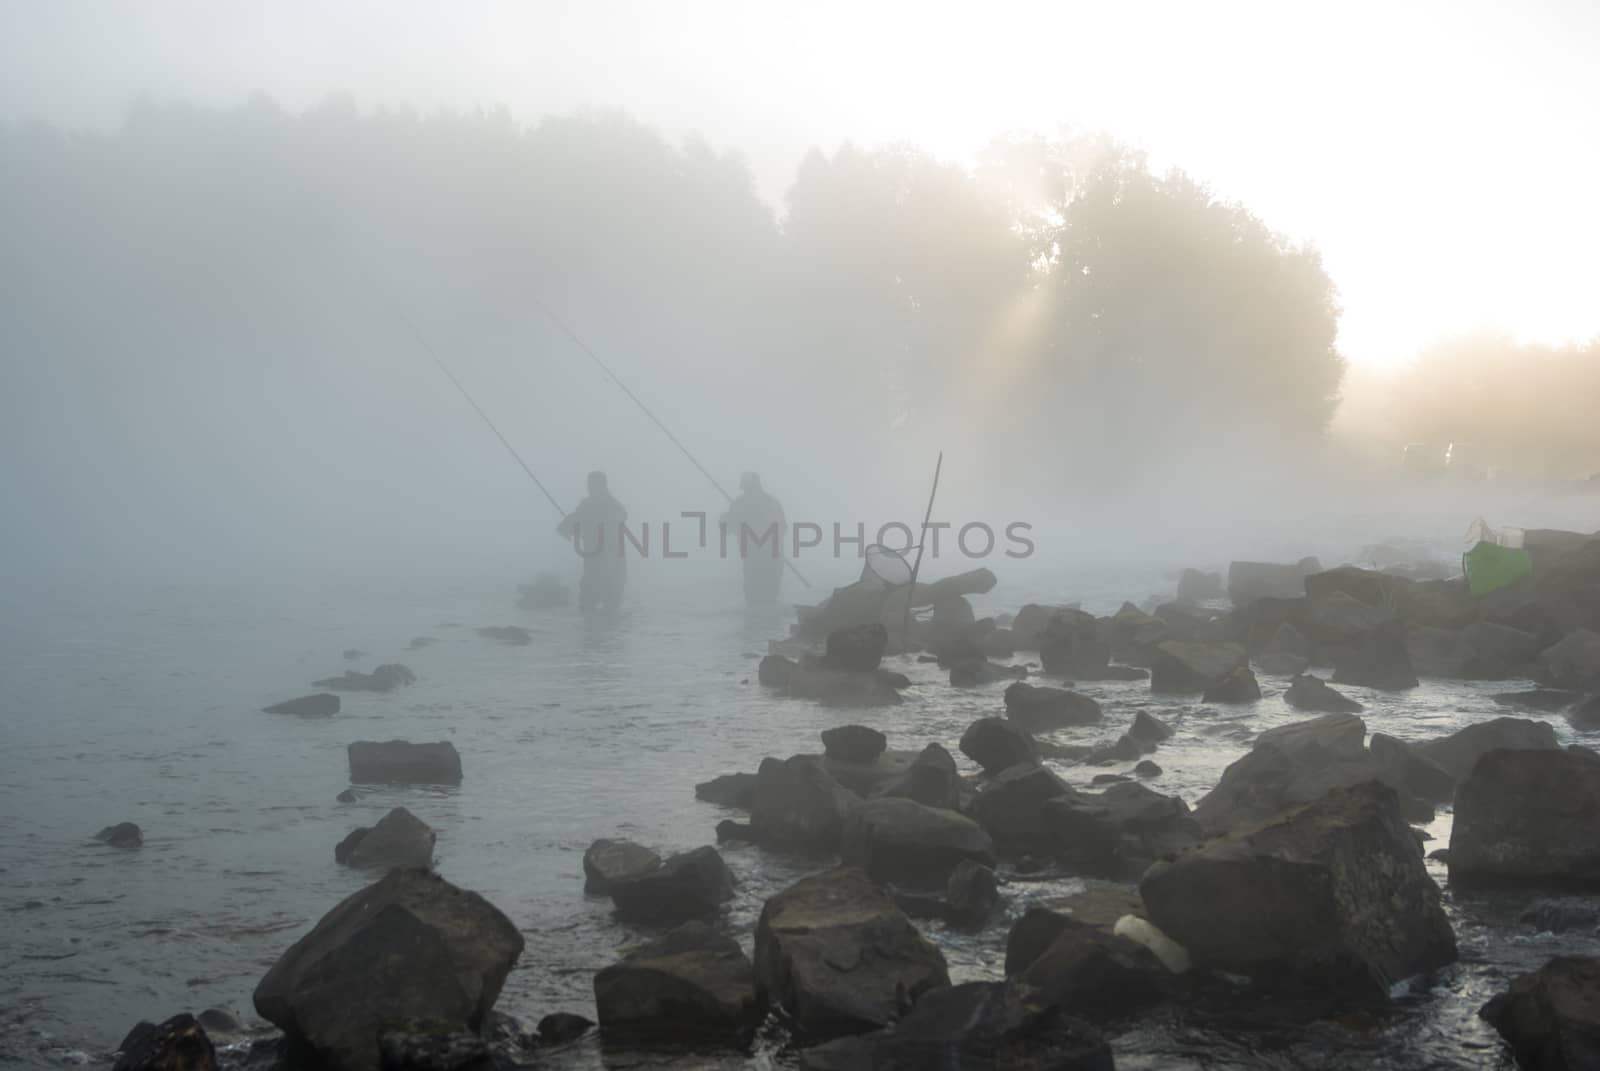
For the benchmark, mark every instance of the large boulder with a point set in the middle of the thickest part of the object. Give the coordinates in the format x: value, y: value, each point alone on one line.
x: 1310, y: 693
x: 1097, y: 974
x: 857, y: 648
x: 319, y: 705
x: 179, y: 1044
x: 972, y: 1027
x: 1030, y: 622
x: 1409, y: 771
x: 1119, y: 830
x: 1190, y: 668
x: 689, y: 885
x: 1459, y: 752
x: 900, y: 840
x: 1379, y: 660
x: 1528, y: 817
x: 1444, y: 604
x: 399, y: 839
x: 1551, y: 1017
x: 1011, y: 807
x: 1499, y: 652
x: 1074, y: 645
x: 1042, y: 708
x: 609, y: 862
x: 1249, y: 581
x: 837, y: 955
x: 853, y: 743
x: 1098, y: 907
x: 693, y: 983
x: 1333, y: 894
x: 796, y: 804
x: 995, y: 744
x: 1339, y: 620
x: 1195, y: 586
x: 1148, y: 730
x: 1574, y: 662
x: 402, y: 762
x: 409, y: 947
x: 1239, y: 686
x: 867, y: 778
x: 1367, y: 586
x: 1135, y: 634
x: 1437, y: 652
x: 930, y: 780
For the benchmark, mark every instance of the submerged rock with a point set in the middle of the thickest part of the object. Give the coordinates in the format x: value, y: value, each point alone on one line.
x: 609, y: 862
x: 972, y: 1027
x: 837, y: 955
x: 689, y: 885
x: 995, y: 744
x: 125, y: 835
x: 319, y: 705
x: 1528, y: 817
x: 853, y: 743
x: 402, y: 762
x: 691, y: 983
x: 399, y: 839
x: 179, y: 1044
x: 900, y: 840
x: 409, y: 947
x: 1040, y: 709
x: 1334, y: 895
x: 385, y: 678
x: 1312, y: 693
x: 1551, y: 1017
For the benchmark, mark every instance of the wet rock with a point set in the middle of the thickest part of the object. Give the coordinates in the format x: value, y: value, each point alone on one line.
x: 1282, y: 664
x: 1011, y: 808
x: 972, y: 893
x: 1109, y: 779
x: 1074, y: 645
x: 418, y: 1045
x: 1528, y: 818
x: 347, y: 796
x: 691, y: 983
x: 775, y: 671
x: 1098, y: 906
x: 1120, y: 830
x: 1380, y: 661
x: 402, y: 762
x: 853, y: 743
x: 1551, y: 1017
x: 973, y: 1026
x: 557, y: 1028
x: 841, y: 688
x: 1135, y: 635
x: 689, y: 885
x: 179, y: 1044
x: 1147, y: 769
x: 1310, y: 693
x: 607, y: 863
x: 1459, y: 752
x: 1548, y: 700
x: 857, y: 648
x: 1439, y: 603
x: 729, y: 790
x: 900, y: 840
x: 977, y: 672
x: 1249, y: 581
x: 510, y: 635
x: 1573, y: 662
x: 1097, y: 974
x: 319, y: 705
x: 124, y: 835
x: 867, y: 778
x: 1367, y: 586
x: 930, y: 780
x: 1409, y: 771
x: 1039, y: 709
x: 1195, y: 586
x: 1030, y: 622
x: 219, y: 1021
x: 342, y: 850
x: 797, y: 805
x: 1500, y: 651
x: 399, y: 839
x: 1148, y: 730
x: 1586, y: 715
x: 1437, y: 652
x: 995, y: 744
x: 1338, y: 620
x: 1239, y: 686
x: 411, y: 946
x: 1561, y: 916
x: 729, y: 831
x: 385, y: 678
x: 1126, y: 749
x: 1182, y: 667
x: 1333, y: 894
x: 837, y: 955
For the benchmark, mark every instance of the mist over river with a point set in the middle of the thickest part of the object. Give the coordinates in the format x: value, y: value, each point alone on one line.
x: 143, y: 704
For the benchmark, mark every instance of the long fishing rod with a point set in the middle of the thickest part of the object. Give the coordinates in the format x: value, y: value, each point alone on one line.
x: 916, y: 567
x: 422, y: 340
x: 561, y: 324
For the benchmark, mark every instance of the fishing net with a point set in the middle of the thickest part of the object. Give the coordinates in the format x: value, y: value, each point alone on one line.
x: 886, y: 568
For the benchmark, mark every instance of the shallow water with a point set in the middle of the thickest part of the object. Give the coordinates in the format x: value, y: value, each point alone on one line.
x: 144, y: 705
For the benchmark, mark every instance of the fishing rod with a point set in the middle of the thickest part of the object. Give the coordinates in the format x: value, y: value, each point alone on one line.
x: 561, y: 324
x: 422, y: 340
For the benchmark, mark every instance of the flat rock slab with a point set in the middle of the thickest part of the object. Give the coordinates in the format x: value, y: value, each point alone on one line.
x: 402, y: 762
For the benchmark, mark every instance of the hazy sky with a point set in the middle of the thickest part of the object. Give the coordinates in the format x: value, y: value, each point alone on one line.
x: 1443, y: 155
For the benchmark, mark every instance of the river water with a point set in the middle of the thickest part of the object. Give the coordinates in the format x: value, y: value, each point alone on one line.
x: 143, y: 705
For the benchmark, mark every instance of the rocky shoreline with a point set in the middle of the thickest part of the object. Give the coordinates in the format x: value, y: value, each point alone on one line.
x: 1297, y: 881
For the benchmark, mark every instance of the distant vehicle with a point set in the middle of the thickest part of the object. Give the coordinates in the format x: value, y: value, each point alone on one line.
x: 1423, y: 459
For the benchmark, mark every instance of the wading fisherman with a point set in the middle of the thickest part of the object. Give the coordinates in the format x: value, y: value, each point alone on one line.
x: 595, y: 530
x: 755, y: 524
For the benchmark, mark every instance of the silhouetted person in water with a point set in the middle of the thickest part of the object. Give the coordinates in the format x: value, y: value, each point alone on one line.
x: 755, y: 526
x: 595, y: 529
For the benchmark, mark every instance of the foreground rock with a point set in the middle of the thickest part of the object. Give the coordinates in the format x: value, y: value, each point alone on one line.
x: 899, y: 840
x: 179, y: 1044
x: 1551, y: 1017
x: 694, y: 983
x: 977, y: 1025
x: 1333, y: 895
x: 1188, y: 668
x: 410, y: 947
x: 995, y: 744
x: 1306, y: 692
x: 796, y: 804
x: 836, y: 954
x: 319, y: 705
x: 1040, y: 709
x: 607, y: 863
x: 687, y: 886
x: 853, y: 743
x: 402, y: 762
x: 385, y: 678
x: 400, y: 839
x: 124, y: 835
x: 1459, y: 752
x: 1529, y: 818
